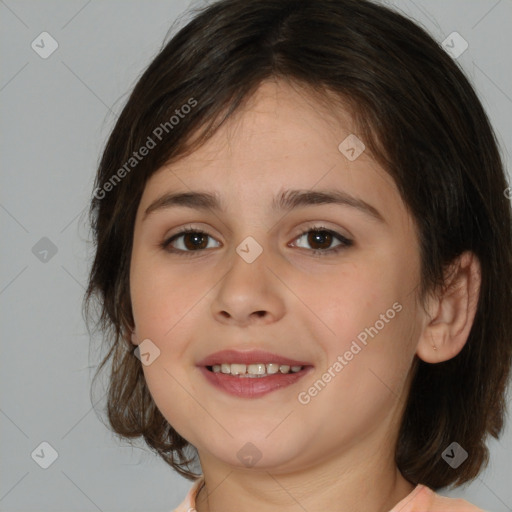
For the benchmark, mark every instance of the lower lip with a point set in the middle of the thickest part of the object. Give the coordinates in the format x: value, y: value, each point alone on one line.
x: 249, y: 387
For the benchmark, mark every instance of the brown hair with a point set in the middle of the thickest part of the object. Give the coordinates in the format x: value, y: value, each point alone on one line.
x: 422, y: 120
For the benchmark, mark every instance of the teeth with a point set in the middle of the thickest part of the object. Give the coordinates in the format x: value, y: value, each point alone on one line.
x: 254, y: 370
x: 237, y: 369
x: 272, y: 368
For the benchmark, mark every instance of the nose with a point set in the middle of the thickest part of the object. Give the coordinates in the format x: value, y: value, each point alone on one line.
x: 249, y: 293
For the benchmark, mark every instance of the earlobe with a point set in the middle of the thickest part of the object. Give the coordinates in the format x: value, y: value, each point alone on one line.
x: 134, y: 338
x: 451, y: 315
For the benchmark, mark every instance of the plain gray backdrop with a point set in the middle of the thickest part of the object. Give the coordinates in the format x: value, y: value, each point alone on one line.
x: 56, y: 113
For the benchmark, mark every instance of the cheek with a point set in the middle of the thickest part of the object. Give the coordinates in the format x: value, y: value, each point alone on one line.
x: 161, y: 295
x: 352, y: 297
x: 365, y: 313
x: 166, y: 306
x: 367, y: 359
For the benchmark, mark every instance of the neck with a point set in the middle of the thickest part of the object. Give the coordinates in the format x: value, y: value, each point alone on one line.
x: 366, y: 486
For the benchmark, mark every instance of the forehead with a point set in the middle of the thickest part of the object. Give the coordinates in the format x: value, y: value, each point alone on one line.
x: 278, y: 119
x: 280, y: 122
x: 282, y: 137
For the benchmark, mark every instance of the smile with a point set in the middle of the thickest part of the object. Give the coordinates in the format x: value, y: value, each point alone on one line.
x: 251, y: 373
x: 254, y: 370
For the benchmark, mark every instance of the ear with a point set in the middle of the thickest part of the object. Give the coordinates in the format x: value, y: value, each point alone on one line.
x: 450, y: 317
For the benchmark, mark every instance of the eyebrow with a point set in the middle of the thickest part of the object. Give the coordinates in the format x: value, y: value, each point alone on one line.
x: 286, y: 201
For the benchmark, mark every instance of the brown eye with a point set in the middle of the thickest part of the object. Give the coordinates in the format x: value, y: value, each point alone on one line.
x: 320, y: 240
x: 194, y: 241
x: 187, y: 241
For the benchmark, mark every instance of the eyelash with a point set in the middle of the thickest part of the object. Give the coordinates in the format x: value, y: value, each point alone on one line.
x: 345, y: 242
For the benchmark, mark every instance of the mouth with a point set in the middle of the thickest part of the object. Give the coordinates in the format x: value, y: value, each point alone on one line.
x: 251, y: 374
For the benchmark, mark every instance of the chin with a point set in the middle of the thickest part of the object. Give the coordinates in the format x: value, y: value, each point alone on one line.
x: 258, y: 453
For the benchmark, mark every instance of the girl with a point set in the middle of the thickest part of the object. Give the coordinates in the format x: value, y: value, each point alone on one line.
x: 304, y: 262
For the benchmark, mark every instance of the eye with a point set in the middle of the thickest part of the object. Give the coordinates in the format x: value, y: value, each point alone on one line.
x: 192, y: 240
x: 189, y: 240
x: 322, y: 238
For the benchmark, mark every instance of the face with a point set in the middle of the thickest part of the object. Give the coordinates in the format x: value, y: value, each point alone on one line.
x: 326, y: 287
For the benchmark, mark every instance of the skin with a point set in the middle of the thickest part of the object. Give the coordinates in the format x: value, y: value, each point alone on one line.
x: 337, y: 451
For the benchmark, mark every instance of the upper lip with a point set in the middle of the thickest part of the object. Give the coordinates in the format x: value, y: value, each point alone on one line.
x: 248, y: 357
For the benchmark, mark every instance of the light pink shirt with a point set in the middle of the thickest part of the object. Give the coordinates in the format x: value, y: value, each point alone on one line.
x: 421, y: 499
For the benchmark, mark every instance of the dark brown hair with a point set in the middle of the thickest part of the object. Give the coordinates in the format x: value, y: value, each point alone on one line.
x: 423, y: 122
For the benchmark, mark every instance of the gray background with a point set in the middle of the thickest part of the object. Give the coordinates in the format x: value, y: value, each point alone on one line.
x: 55, y: 116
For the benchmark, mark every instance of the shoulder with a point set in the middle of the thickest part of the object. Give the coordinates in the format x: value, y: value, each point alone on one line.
x: 189, y: 503
x: 421, y: 499
x: 424, y: 499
